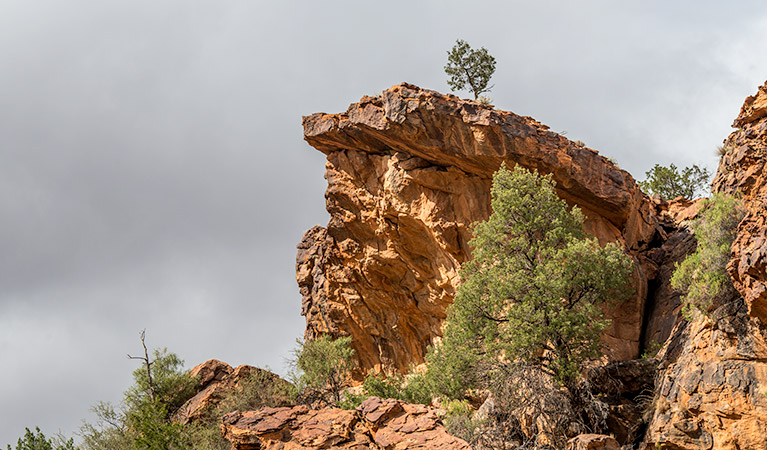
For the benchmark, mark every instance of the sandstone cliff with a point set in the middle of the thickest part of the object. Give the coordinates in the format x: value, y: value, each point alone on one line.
x: 408, y: 173
x: 710, y: 393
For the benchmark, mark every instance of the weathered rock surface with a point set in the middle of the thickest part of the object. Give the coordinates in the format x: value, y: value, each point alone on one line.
x: 408, y: 173
x: 593, y: 442
x: 712, y: 394
x: 742, y: 169
x: 711, y: 391
x: 217, y: 380
x: 376, y: 425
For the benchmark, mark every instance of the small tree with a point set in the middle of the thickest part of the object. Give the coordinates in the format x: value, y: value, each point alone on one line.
x: 38, y: 441
x: 703, y: 276
x: 144, y: 422
x: 669, y: 183
x: 325, y: 366
x: 531, y: 296
x: 469, y: 67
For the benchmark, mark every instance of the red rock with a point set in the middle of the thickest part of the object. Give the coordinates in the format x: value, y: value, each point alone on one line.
x: 408, y: 173
x: 217, y: 380
x: 742, y: 170
x: 376, y: 424
x: 710, y: 393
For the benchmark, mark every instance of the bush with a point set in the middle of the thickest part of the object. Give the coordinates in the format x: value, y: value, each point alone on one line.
x: 531, y: 297
x: 143, y: 420
x: 669, y: 183
x: 260, y: 388
x: 460, y: 422
x: 703, y: 276
x: 38, y: 441
x: 324, y: 369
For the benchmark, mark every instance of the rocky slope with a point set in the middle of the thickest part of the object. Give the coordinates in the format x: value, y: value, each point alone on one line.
x: 711, y: 389
x: 408, y: 173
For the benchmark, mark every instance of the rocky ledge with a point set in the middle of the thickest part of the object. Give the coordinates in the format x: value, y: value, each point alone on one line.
x: 375, y: 425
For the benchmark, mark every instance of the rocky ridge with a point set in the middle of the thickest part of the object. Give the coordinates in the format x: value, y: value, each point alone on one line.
x: 408, y: 173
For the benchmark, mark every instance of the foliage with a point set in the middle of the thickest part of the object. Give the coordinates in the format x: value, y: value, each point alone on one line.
x: 459, y: 420
x: 260, y: 388
x: 534, y: 288
x: 669, y: 183
x: 143, y: 421
x: 171, y: 385
x: 110, y: 431
x: 530, y: 302
x: 38, y: 441
x: 466, y: 66
x: 413, y: 388
x: 703, y: 274
x: 324, y: 366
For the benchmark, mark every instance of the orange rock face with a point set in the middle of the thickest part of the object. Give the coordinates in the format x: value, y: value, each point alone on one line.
x: 375, y: 425
x: 742, y: 170
x: 408, y: 173
x: 711, y: 391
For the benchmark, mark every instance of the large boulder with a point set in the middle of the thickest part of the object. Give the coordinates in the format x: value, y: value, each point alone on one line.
x: 408, y: 173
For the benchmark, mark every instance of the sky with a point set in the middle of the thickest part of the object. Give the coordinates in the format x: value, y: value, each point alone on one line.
x: 153, y: 173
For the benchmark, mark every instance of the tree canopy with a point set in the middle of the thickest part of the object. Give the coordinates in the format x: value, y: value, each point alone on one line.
x: 468, y: 67
x: 669, y: 183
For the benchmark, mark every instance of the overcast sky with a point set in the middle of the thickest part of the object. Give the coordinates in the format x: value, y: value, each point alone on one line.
x: 153, y: 173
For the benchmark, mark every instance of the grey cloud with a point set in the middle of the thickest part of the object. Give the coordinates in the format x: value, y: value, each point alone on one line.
x: 152, y: 172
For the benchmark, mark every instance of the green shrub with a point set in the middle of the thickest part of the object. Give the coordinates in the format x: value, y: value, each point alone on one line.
x: 703, y: 276
x: 260, y: 388
x: 459, y: 420
x: 532, y: 291
x: 324, y: 368
x: 38, y: 441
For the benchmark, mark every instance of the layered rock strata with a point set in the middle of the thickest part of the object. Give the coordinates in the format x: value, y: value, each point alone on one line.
x: 408, y: 173
x: 375, y: 425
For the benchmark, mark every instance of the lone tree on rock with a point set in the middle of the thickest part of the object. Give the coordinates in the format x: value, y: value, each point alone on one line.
x: 466, y: 66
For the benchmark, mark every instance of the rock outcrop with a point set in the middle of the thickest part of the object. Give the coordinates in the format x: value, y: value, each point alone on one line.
x: 217, y: 380
x: 408, y: 173
x: 710, y: 393
x: 375, y: 425
x: 742, y: 170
